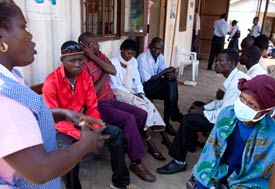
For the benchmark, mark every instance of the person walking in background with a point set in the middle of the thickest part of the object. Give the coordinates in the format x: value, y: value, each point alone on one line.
x: 255, y: 30
x: 217, y: 44
x: 234, y: 36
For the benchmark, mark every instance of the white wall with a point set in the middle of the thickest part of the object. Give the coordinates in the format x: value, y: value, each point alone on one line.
x: 175, y: 38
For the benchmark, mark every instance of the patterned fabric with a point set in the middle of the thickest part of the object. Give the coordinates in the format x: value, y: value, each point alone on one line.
x: 43, y: 115
x: 257, y: 158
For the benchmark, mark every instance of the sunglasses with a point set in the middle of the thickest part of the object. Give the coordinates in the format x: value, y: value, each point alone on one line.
x: 72, y: 48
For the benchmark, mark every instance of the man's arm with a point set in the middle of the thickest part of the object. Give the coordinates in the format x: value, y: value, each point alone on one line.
x: 104, y: 63
x: 168, y: 73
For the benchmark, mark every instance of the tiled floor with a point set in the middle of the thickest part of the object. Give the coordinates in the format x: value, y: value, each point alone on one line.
x: 95, y: 170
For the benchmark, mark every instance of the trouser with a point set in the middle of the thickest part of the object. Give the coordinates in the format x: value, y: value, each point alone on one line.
x: 120, y: 175
x: 166, y: 90
x: 186, y: 136
x: 217, y: 45
x: 195, y: 44
x: 130, y: 119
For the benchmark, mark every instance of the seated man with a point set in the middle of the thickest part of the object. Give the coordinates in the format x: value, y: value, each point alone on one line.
x: 128, y: 88
x: 202, y: 118
x: 70, y: 87
x: 160, y: 82
x: 250, y: 58
x: 240, y: 150
x: 129, y: 118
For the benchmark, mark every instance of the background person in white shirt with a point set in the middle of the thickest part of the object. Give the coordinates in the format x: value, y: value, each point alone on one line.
x: 234, y: 36
x: 217, y: 44
x: 255, y: 30
x: 250, y: 58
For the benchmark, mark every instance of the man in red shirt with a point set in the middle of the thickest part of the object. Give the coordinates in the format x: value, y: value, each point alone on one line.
x: 129, y: 118
x: 70, y: 87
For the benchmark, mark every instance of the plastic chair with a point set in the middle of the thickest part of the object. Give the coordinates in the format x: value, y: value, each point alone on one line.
x: 187, y: 58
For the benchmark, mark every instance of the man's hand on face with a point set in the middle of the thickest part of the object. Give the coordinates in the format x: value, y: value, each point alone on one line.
x: 89, y: 49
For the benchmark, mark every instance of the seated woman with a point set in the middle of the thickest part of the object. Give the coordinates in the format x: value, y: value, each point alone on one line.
x: 240, y: 150
x: 128, y: 88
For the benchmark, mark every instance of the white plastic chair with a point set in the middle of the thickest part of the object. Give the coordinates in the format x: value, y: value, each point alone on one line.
x: 184, y: 58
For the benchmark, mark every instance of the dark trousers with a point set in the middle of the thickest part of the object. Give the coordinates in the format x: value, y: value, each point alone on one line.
x: 217, y: 45
x: 120, y: 175
x: 166, y: 90
x: 186, y: 136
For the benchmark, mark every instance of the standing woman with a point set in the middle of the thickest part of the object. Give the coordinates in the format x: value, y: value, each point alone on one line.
x: 28, y: 154
x: 234, y: 36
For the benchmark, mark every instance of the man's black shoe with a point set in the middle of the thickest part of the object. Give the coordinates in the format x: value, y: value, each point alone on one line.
x: 172, y: 167
x: 170, y: 130
x: 209, y: 69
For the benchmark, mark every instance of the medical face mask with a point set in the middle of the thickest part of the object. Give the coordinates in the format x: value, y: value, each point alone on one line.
x: 245, y: 113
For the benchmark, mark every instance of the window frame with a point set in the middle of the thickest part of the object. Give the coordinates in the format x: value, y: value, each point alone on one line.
x: 120, y: 25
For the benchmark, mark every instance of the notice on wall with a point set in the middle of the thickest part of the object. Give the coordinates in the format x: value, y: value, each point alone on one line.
x: 42, y: 10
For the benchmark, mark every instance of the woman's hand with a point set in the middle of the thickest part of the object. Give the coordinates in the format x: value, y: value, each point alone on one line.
x: 83, y: 120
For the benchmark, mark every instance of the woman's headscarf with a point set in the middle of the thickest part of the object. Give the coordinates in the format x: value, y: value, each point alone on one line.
x: 262, y: 88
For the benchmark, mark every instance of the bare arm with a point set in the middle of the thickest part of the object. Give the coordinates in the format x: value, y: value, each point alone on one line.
x: 39, y: 166
x: 105, y: 65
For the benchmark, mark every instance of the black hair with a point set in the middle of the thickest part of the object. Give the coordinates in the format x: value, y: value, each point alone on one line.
x: 223, y: 15
x: 232, y: 55
x: 262, y: 42
x: 156, y: 40
x: 8, y: 10
x: 254, y: 52
x: 84, y: 37
x: 128, y: 44
x: 234, y: 22
x: 66, y: 44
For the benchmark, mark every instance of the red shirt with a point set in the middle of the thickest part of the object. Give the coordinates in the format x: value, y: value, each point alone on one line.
x: 58, y: 94
x: 95, y: 72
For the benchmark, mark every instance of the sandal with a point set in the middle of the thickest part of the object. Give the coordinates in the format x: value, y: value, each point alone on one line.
x: 157, y: 155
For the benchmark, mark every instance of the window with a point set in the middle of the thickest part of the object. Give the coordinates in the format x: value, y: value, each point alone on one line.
x: 108, y: 19
x: 100, y: 17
